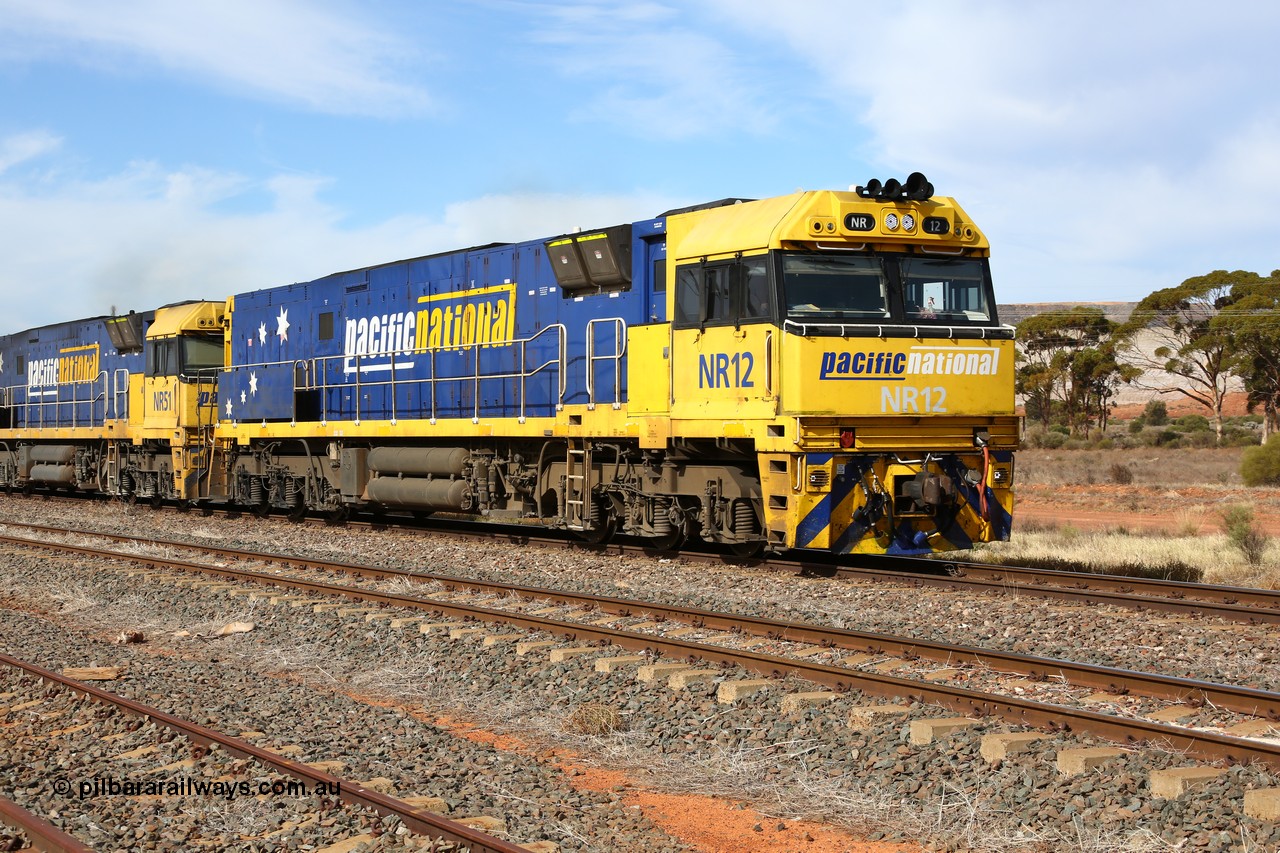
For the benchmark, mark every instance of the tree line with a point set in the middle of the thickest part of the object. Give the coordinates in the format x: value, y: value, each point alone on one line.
x: 1204, y: 331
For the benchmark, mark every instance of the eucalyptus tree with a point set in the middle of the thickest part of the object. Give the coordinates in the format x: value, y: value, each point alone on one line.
x: 1067, y: 363
x: 1251, y: 319
x: 1172, y: 333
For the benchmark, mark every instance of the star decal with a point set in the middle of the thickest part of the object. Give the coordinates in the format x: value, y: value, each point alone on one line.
x: 228, y: 408
x: 262, y: 334
x: 1, y: 362
x: 282, y: 325
x: 253, y: 384
x: 243, y: 397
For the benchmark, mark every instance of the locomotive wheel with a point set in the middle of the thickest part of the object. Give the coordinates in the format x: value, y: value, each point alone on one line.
x: 184, y: 506
x: 670, y: 541
x: 261, y: 510
x: 747, y: 550
x: 603, y: 532
x: 338, y: 515
x: 156, y: 502
x: 298, y: 513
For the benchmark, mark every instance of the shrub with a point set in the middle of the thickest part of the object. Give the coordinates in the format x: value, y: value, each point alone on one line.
x: 1107, y: 444
x: 1192, y: 422
x: 1157, y: 437
x: 1137, y: 425
x: 1074, y: 444
x: 1200, y: 439
x: 1252, y: 542
x: 1260, y: 466
x: 1241, y: 438
x: 1120, y: 473
x: 1060, y: 428
x: 1156, y: 413
x: 1053, y: 440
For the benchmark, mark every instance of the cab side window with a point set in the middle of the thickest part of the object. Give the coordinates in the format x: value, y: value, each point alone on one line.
x: 724, y: 293
x: 757, y: 293
x: 162, y: 357
x: 719, y: 296
x: 689, y: 296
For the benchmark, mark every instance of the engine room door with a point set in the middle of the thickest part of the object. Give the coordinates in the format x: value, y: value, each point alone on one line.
x: 655, y: 267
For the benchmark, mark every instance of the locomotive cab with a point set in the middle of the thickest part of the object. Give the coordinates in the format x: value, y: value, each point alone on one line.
x: 182, y: 356
x: 173, y: 402
x: 852, y: 340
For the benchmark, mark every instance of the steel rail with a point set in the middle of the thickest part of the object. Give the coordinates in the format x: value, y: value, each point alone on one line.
x: 43, y: 835
x: 1235, y: 603
x: 1238, y: 604
x: 1079, y: 590
x: 1195, y: 692
x: 1013, y: 710
x: 419, y: 820
x: 1266, y: 598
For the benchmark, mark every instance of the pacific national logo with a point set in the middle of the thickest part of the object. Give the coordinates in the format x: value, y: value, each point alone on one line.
x: 482, y: 317
x: 72, y: 364
x: 920, y: 361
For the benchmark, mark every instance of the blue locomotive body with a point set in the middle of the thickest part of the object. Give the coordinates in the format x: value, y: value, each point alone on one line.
x: 72, y: 375
x: 487, y: 332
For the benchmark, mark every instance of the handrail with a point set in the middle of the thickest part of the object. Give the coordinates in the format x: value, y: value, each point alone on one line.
x: 881, y: 330
x: 42, y: 406
x: 768, y: 363
x: 315, y: 373
x: 119, y: 390
x: 619, y: 351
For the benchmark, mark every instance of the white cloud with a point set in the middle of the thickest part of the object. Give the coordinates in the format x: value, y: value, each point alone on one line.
x: 21, y: 147
x: 150, y: 236
x: 647, y: 69
x: 309, y: 53
x: 1107, y: 149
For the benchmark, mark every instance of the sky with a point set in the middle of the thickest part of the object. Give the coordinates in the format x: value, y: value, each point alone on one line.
x: 153, y: 151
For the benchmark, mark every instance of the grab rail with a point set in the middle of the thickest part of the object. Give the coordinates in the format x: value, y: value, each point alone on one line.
x: 619, y: 351
x: 42, y: 407
x: 313, y: 374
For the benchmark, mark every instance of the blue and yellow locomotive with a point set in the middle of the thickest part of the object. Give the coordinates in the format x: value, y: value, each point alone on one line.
x: 823, y: 370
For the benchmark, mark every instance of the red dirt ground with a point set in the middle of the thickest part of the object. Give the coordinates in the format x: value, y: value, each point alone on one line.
x: 1233, y: 406
x: 707, y: 824
x: 1112, y: 507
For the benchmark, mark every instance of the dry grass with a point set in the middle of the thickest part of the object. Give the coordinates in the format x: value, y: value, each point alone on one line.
x: 1213, y: 556
x: 595, y: 719
x: 242, y: 817
x: 1150, y: 466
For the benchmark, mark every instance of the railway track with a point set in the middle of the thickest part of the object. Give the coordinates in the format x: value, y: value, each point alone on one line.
x: 1194, y: 692
x: 418, y: 820
x: 838, y: 677
x: 1238, y: 604
x: 37, y: 832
